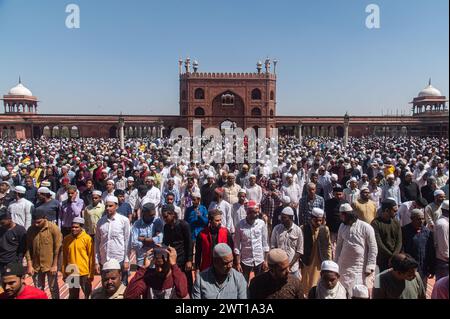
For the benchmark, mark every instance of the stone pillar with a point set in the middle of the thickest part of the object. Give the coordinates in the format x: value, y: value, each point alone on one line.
x: 300, y: 134
x: 121, y: 135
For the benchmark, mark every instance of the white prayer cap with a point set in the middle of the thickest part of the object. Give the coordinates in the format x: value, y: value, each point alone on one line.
x: 231, y: 175
x: 409, y: 174
x: 20, y: 189
x: 344, y: 208
x: 287, y: 211
x: 334, y: 177
x: 317, y: 212
x: 276, y: 256
x: 222, y: 250
x: 111, y: 264
x: 353, y: 179
x: 360, y: 291
x: 211, y: 175
x: 329, y: 265
x: 149, y: 178
x: 104, y: 171
x: 110, y: 181
x: 252, y: 176
x: 288, y: 175
x: 43, y: 190
x: 131, y: 179
x: 242, y: 191
x: 438, y: 192
x: 444, y: 205
x: 391, y: 176
x: 5, y: 173
x: 196, y: 194
x: 111, y: 199
x: 96, y: 192
x: 364, y: 188
x: 286, y: 200
x: 78, y: 220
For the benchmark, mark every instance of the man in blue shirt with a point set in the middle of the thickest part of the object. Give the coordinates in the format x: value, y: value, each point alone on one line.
x: 196, y: 215
x: 124, y: 207
x: 146, y: 232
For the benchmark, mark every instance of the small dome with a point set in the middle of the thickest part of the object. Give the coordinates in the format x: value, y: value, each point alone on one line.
x: 430, y: 91
x: 20, y: 89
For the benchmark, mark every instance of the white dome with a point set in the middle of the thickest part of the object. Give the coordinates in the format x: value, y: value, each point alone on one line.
x: 430, y: 91
x: 20, y: 89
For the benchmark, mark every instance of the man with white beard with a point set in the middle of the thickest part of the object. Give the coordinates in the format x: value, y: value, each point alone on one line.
x: 356, y: 250
x: 292, y: 190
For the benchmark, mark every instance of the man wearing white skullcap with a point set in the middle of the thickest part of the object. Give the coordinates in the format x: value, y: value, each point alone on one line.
x: 317, y: 248
x: 360, y: 292
x: 417, y: 241
x: 93, y: 212
x: 294, y: 192
x: 117, y: 226
x: 254, y: 191
x: 221, y: 281
x: 277, y: 283
x: 356, y: 249
x: 78, y: 250
x: 47, y: 204
x: 328, y: 286
x: 441, y: 231
x: 196, y: 215
x: 239, y: 210
x: 112, y: 287
x: 289, y: 237
x: 110, y: 188
x: 390, y: 189
x: 433, y: 210
x: 231, y: 189
x: 365, y: 207
x: 153, y: 192
x: 207, y: 190
x: 21, y: 209
x: 351, y: 193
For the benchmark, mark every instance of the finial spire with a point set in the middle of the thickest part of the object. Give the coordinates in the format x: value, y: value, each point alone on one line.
x: 429, y: 81
x: 20, y: 80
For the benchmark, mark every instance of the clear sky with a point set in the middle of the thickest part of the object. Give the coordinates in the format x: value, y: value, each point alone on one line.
x: 125, y: 55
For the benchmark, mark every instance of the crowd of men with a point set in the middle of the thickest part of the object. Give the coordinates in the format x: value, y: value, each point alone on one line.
x: 369, y: 220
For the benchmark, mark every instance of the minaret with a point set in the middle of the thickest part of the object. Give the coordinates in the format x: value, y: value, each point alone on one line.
x: 180, y: 66
x: 267, y: 65
x: 187, y: 65
x: 259, y: 67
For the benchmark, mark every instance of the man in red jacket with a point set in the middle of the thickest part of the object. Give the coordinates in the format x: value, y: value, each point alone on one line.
x: 209, y: 237
x: 165, y: 281
x: 14, y: 287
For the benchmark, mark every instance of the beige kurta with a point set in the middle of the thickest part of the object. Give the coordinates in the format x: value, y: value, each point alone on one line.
x: 311, y: 273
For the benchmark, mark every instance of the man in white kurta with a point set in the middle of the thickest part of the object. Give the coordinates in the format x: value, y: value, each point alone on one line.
x: 225, y: 208
x: 356, y: 250
x: 254, y: 191
x: 293, y: 191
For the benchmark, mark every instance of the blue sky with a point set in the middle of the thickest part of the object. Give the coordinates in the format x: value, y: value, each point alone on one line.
x: 124, y: 56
